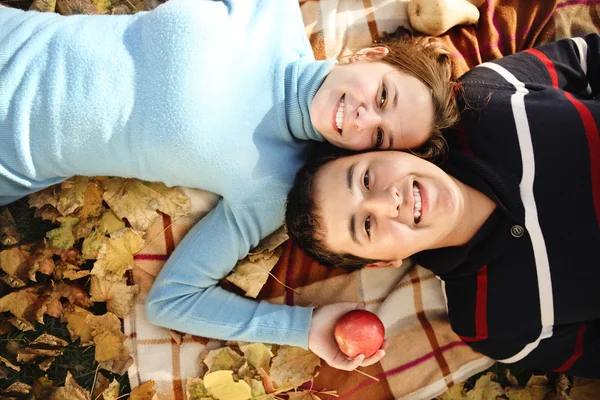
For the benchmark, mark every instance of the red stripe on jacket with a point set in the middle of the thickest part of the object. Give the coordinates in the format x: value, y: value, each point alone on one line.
x: 481, y: 327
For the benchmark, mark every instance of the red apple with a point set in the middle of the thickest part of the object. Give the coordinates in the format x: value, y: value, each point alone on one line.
x: 359, y: 332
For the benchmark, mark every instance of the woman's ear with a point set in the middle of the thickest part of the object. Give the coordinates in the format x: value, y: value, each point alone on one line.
x: 369, y: 54
x: 385, y: 264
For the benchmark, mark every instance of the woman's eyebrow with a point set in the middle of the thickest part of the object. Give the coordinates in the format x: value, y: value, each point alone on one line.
x: 349, y: 177
x: 350, y: 183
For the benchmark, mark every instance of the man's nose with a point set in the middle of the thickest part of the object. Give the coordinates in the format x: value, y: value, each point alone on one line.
x: 366, y: 118
x: 385, y: 203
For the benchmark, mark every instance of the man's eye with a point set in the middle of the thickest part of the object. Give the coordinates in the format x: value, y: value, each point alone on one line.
x: 383, y: 97
x: 379, y: 140
x: 368, y: 226
x: 366, y: 180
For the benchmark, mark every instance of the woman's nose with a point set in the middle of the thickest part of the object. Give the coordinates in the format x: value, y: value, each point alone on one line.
x: 385, y: 203
x: 366, y: 118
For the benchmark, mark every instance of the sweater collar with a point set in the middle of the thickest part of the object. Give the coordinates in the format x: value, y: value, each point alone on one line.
x: 302, y: 81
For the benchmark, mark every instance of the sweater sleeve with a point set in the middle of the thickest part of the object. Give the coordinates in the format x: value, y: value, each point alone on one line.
x: 186, y: 295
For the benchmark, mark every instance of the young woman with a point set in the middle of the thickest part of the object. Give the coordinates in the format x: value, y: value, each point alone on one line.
x: 218, y: 95
x: 513, y: 232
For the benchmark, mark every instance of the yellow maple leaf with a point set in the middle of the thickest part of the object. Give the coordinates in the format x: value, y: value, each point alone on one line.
x: 139, y: 201
x: 108, y: 337
x: 72, y: 194
x: 118, y: 296
x: 251, y: 276
x: 222, y: 386
x: 77, y: 324
x: 292, y: 366
x: 258, y: 355
x: 63, y: 237
x: 223, y: 358
x: 92, y: 202
x: 71, y: 390
x: 116, y: 253
x: 109, y: 223
x: 195, y: 390
x: 144, y: 392
x: 19, y: 302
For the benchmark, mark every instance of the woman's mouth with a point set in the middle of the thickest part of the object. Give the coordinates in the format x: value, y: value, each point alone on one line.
x: 417, y: 209
x: 338, y: 115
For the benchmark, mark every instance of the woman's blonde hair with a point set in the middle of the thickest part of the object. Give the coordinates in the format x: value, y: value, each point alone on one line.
x: 428, y: 60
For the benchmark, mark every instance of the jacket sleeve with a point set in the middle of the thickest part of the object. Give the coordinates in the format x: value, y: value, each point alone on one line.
x: 573, y: 349
x: 186, y: 295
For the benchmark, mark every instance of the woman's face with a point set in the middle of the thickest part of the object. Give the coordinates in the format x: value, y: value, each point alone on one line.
x: 386, y: 205
x: 372, y: 105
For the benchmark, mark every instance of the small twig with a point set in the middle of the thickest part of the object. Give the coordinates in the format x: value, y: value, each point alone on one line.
x: 367, y: 375
x: 94, y: 383
x: 158, y: 234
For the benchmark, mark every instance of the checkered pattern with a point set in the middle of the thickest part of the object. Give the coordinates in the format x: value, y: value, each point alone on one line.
x: 424, y: 357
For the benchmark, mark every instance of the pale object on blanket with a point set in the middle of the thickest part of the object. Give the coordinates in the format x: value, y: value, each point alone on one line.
x: 434, y: 17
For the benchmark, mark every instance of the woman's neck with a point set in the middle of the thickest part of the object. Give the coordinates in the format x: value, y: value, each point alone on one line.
x: 477, y: 208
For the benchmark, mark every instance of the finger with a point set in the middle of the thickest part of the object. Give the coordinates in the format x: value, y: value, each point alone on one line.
x: 373, y: 359
x: 360, y: 306
x: 385, y: 344
x: 346, y: 364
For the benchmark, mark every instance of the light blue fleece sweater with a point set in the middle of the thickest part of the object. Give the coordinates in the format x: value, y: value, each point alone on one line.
x: 206, y: 94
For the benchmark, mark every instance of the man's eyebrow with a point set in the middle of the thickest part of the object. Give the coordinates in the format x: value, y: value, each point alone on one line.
x: 349, y: 181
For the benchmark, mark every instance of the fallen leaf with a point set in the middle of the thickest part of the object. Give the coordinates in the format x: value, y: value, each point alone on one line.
x: 116, y: 254
x: 44, y: 197
x: 118, y: 296
x: 537, y: 388
x: 43, y: 5
x: 43, y: 388
x: 118, y: 367
x: 17, y: 389
x: 77, y: 324
x: 257, y: 389
x: 251, y: 276
x: 267, y: 246
x: 302, y: 395
x: 9, y: 364
x: 111, y: 392
x: 46, y: 364
x: 110, y: 223
x: 74, y: 294
x: 9, y: 235
x: 13, y: 261
x: 102, y: 383
x: 144, y: 392
x: 48, y: 213
x: 139, y: 201
x: 108, y: 337
x: 72, y: 194
x: 292, y: 366
x: 562, y: 387
x: 21, y: 324
x: 195, y: 390
x: 68, y: 271
x: 92, y: 202
x: 585, y: 389
x: 18, y: 302
x: 222, y: 386
x: 71, y: 390
x: 223, y: 358
x: 258, y: 355
x: 92, y: 244
x: 13, y: 282
x: 485, y: 388
x: 63, y: 237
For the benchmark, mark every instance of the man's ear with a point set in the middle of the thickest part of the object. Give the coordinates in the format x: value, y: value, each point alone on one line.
x: 385, y: 264
x: 369, y: 54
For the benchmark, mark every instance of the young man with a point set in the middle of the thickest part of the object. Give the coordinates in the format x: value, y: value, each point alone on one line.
x: 513, y: 231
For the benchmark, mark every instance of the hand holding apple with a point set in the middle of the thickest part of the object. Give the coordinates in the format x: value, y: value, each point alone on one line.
x: 359, y: 332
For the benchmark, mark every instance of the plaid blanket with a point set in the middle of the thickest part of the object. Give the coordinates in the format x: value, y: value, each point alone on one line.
x: 424, y: 357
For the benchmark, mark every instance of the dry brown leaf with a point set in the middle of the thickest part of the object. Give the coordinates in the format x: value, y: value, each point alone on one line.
x: 92, y: 202
x: 77, y: 324
x: 74, y: 294
x: 108, y: 337
x: 21, y: 324
x: 71, y: 390
x: 223, y: 358
x: 18, y: 303
x: 485, y: 388
x: 111, y: 392
x: 13, y: 261
x: 48, y: 213
x: 537, y: 388
x: 118, y: 296
x: 63, y: 237
x: 585, y: 389
x: 116, y: 254
x: 139, y: 201
x: 43, y: 5
x: 144, y: 392
x: 48, y: 303
x: 302, y: 395
x: 69, y: 271
x: 47, y: 363
x: 44, y: 197
x: 118, y: 367
x: 250, y: 276
x: 9, y: 364
x: 267, y: 246
x: 102, y: 383
x: 13, y: 282
x: 43, y: 388
x: 85, y: 227
x: 43, y: 262
x: 71, y: 195
x: 258, y: 355
x: 17, y: 389
x: 9, y: 235
x: 49, y: 340
x: 292, y: 366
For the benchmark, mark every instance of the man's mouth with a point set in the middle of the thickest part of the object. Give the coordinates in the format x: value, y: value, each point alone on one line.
x: 417, y: 202
x: 339, y: 115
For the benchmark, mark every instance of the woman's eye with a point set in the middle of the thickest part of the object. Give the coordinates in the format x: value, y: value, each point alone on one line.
x: 368, y: 226
x: 366, y: 180
x: 383, y: 96
x: 379, y: 140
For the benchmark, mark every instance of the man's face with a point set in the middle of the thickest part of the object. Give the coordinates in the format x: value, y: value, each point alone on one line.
x: 372, y: 105
x: 386, y: 205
